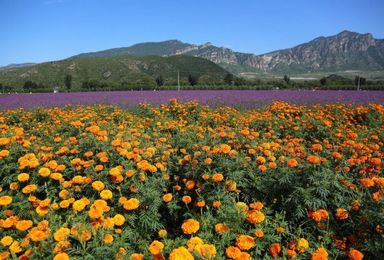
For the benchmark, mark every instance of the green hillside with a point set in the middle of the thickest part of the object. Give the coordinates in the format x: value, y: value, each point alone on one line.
x: 115, y: 72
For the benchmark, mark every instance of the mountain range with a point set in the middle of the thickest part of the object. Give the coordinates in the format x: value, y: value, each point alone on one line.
x: 344, y: 51
x: 143, y: 62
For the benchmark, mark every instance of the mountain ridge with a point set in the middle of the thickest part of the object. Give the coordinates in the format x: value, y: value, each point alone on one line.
x: 344, y: 51
x: 341, y: 52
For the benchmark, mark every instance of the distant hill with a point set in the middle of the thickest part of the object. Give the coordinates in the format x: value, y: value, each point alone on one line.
x: 344, y: 51
x: 13, y: 66
x: 115, y: 70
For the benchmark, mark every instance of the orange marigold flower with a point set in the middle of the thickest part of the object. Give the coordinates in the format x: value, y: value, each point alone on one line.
x: 233, y: 252
x: 280, y: 230
x: 367, y: 182
x: 292, y: 163
x: 119, y: 220
x: 131, y: 204
x: 180, y: 253
x: 167, y: 197
x: 136, y: 256
x: 5, y: 200
x: 259, y: 233
x: 186, y: 199
x: 274, y: 249
x: 190, y: 226
x: 313, y: 159
x: 245, y: 242
x: 23, y: 225
x: 341, y: 214
x: 320, y: 254
x: 217, y: 177
x: 44, y: 172
x: 98, y: 185
x: 354, y: 254
x: 255, y: 216
x: 108, y: 239
x: 221, y: 228
x: 61, y: 256
x: 156, y: 247
x: 6, y: 241
x: 193, y: 242
x: 61, y: 234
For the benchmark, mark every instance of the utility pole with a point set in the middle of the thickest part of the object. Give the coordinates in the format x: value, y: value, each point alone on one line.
x: 178, y: 81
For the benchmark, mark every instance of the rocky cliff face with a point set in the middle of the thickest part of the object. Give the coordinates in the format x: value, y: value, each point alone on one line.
x: 344, y: 51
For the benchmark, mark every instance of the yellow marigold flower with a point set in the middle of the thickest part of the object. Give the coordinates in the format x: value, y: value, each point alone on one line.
x: 23, y: 225
x: 61, y: 234
x: 245, y: 242
x: 302, y: 245
x: 61, y: 256
x: 98, y: 185
x: 119, y: 220
x: 4, y: 141
x: 15, y: 247
x: 6, y: 241
x: 29, y: 189
x: 23, y: 177
x: 131, y: 204
x: 180, y: 253
x: 106, y: 194
x: 193, y: 242
x: 79, y: 205
x: 207, y: 251
x: 190, y: 226
x: 156, y: 247
x: 5, y: 200
x: 64, y: 204
x: 44, y: 172
x: 108, y: 239
x: 167, y: 197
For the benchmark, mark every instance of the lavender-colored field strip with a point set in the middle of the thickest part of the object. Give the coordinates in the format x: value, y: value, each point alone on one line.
x: 247, y: 98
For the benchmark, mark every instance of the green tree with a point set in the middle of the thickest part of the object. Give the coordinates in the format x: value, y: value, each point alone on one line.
x: 287, y: 79
x: 160, y: 81
x: 229, y: 79
x: 68, y: 81
x: 193, y: 80
x: 323, y: 81
x: 239, y: 81
x: 29, y: 86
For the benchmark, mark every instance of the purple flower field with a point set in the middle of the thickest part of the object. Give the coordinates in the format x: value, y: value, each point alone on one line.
x: 243, y: 98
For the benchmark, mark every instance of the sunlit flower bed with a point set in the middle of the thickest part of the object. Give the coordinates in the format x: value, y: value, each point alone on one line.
x: 184, y: 181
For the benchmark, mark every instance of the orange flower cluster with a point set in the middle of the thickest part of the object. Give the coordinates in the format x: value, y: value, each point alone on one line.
x: 187, y: 181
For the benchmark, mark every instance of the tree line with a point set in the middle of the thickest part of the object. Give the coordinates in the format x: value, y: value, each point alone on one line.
x: 229, y: 81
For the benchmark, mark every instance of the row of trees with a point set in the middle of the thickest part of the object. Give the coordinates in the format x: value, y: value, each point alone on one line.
x: 228, y: 82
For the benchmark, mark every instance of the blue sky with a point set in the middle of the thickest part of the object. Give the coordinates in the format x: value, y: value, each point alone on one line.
x: 43, y: 30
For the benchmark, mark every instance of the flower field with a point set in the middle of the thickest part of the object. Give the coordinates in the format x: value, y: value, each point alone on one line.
x: 188, y: 181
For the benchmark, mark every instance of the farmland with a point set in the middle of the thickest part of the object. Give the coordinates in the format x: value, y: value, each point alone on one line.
x: 184, y: 180
x: 243, y: 98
